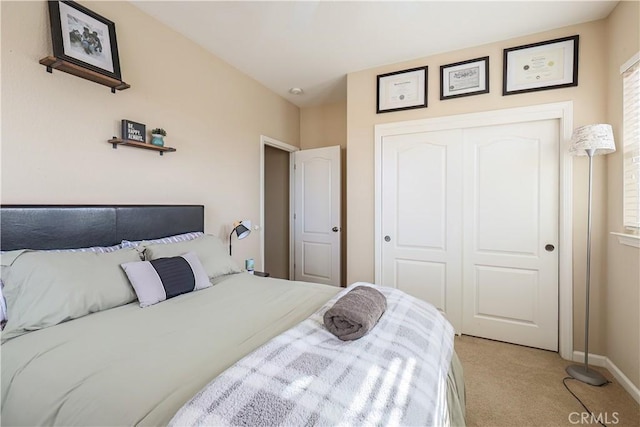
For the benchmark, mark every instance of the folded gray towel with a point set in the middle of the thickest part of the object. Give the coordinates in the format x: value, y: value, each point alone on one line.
x: 355, y: 313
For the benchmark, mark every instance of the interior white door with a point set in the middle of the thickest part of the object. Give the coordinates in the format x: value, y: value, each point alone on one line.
x: 511, y: 184
x: 422, y: 218
x: 469, y: 222
x: 317, y: 228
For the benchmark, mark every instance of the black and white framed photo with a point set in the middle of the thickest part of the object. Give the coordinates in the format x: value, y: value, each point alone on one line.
x: 464, y: 78
x: 402, y: 90
x: 84, y: 38
x: 550, y: 64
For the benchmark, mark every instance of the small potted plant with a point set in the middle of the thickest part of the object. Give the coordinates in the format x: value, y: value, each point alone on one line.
x: 157, y: 136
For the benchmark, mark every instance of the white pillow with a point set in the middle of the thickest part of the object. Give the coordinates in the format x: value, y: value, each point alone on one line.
x: 94, y: 249
x: 170, y: 239
x: 163, y: 278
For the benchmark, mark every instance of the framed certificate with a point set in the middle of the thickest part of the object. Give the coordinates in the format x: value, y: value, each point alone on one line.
x: 464, y: 78
x: 402, y: 90
x: 551, y: 64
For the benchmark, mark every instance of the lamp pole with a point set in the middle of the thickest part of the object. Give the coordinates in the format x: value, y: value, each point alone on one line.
x: 590, y: 153
x: 582, y: 373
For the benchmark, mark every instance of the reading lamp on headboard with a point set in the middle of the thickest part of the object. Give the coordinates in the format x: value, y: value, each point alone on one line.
x: 240, y: 230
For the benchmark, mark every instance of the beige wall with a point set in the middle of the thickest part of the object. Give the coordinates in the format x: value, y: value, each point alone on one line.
x: 55, y: 126
x: 622, y: 326
x: 323, y: 126
x: 589, y: 100
x: 276, y: 212
x: 326, y: 126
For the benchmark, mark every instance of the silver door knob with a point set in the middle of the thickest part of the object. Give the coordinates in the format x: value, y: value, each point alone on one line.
x: 387, y: 238
x: 335, y: 229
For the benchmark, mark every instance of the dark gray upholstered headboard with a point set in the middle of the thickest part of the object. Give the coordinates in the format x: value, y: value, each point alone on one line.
x: 78, y: 226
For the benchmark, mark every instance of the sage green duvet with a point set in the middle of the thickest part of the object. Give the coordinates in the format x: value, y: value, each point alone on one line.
x: 133, y: 366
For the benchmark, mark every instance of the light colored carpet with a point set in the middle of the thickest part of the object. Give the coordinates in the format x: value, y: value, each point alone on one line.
x: 512, y: 385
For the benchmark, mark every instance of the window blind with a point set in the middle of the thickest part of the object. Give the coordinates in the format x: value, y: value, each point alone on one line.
x: 631, y: 144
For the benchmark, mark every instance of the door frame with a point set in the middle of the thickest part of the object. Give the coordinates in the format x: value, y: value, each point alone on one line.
x: 272, y: 142
x: 563, y: 111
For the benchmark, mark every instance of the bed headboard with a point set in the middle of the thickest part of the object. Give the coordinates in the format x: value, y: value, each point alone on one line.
x: 78, y: 226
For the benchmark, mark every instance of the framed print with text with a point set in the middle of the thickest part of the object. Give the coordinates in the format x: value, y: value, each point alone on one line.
x: 464, y: 78
x: 551, y: 64
x: 134, y: 131
x: 84, y: 38
x: 402, y: 90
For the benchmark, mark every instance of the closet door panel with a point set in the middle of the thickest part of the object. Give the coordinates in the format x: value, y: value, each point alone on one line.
x: 511, y: 213
x: 421, y: 218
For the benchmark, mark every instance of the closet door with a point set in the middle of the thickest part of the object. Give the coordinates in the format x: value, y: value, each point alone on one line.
x: 510, y: 220
x: 469, y: 223
x: 421, y: 218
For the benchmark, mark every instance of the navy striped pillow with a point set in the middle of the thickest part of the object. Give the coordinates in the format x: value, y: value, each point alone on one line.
x: 164, y: 278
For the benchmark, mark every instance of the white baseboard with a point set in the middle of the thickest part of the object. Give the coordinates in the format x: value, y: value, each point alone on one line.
x: 605, y: 362
x: 594, y: 359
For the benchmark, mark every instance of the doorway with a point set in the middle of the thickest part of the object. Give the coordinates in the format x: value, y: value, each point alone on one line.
x: 300, y: 212
x: 276, y: 211
x: 276, y: 215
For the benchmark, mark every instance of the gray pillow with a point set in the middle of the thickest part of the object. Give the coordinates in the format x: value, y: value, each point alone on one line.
x: 164, y: 278
x: 7, y: 257
x: 43, y: 289
x: 3, y: 306
x: 209, y: 249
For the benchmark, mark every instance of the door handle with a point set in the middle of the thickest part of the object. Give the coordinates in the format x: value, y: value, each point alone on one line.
x: 549, y: 247
x: 335, y: 229
x: 387, y: 238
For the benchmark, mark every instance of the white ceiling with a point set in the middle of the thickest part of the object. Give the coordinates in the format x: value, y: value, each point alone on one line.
x: 315, y: 44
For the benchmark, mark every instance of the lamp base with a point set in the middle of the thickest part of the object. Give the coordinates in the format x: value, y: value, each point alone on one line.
x: 589, y: 376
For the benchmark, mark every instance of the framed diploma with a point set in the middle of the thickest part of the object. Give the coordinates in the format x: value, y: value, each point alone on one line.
x: 402, y: 90
x: 551, y: 64
x: 464, y: 78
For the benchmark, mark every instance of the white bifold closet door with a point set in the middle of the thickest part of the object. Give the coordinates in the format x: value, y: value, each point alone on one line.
x: 470, y: 223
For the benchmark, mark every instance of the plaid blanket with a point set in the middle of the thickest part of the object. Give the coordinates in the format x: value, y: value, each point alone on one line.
x: 394, y: 375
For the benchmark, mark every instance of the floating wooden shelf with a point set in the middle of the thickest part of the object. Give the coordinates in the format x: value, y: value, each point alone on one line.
x: 119, y: 141
x: 52, y: 62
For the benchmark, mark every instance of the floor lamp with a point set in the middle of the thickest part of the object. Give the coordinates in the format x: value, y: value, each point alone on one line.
x: 590, y: 140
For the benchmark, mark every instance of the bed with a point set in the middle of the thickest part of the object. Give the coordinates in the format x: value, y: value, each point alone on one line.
x: 122, y: 364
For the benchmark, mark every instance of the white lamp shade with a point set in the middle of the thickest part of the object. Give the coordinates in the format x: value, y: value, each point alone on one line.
x: 598, y: 137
